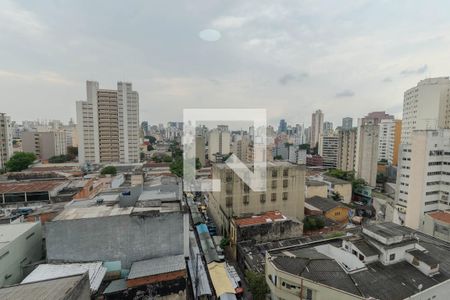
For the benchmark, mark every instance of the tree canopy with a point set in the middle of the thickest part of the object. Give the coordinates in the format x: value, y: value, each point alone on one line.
x: 257, y: 285
x: 109, y: 170
x: 20, y: 161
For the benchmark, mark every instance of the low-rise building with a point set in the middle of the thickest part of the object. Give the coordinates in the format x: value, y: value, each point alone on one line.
x: 331, y: 209
x: 20, y: 246
x: 74, y: 287
x: 285, y: 193
x: 269, y: 226
x: 383, y: 261
x: 316, y: 188
x: 437, y: 224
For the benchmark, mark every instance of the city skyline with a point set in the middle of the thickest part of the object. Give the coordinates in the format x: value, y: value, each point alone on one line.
x: 332, y: 57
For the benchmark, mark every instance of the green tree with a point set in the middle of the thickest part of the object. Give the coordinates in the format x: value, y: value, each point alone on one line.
x: 313, y: 223
x: 72, y: 152
x: 59, y: 159
x: 336, y: 196
x: 358, y: 183
x: 151, y: 139
x: 198, y: 164
x: 142, y: 156
x: 150, y: 148
x: 19, y: 161
x: 257, y: 285
x: 176, y: 167
x: 109, y: 170
x: 167, y: 158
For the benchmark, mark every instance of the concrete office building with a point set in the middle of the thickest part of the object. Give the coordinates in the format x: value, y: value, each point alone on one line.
x: 108, y: 124
x: 285, y: 193
x: 219, y: 141
x: 423, y: 177
x: 240, y: 147
x: 389, y: 140
x: 347, y: 149
x: 316, y: 127
x: 367, y: 146
x: 347, y: 123
x: 329, y: 150
x: 426, y: 106
x: 200, y: 151
x: 20, y: 246
x: 45, y: 144
x: 6, y: 148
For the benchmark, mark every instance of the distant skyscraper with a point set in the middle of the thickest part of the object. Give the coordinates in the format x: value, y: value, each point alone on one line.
x: 283, y: 126
x: 218, y: 143
x: 328, y: 128
x: 329, y: 150
x: 347, y: 123
x: 108, y: 124
x: 367, y: 150
x: 6, y: 148
x: 389, y: 140
x: 316, y: 127
x: 144, y: 127
x: 347, y: 149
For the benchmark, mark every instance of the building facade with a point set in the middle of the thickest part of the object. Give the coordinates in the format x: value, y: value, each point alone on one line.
x: 426, y: 106
x: 285, y: 193
x: 6, y: 148
x: 423, y: 177
x: 346, y: 160
x: 347, y: 123
x: 108, y: 124
x: 329, y: 150
x: 45, y: 144
x: 219, y: 141
x: 389, y: 140
x: 316, y: 127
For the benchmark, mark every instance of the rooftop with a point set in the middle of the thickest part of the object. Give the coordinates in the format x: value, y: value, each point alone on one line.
x: 155, y: 266
x: 335, y: 180
x: 443, y: 216
x: 315, y: 183
x: 53, y: 271
x: 10, y: 232
x: 395, y: 281
x: 268, y: 217
x: 324, y: 204
x: 55, y: 289
x: 29, y: 187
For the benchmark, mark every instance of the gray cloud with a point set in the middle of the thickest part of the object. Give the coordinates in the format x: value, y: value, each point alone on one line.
x: 417, y: 71
x: 345, y: 93
x: 289, y: 77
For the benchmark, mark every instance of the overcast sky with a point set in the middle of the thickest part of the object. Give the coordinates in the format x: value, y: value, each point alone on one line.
x: 291, y: 57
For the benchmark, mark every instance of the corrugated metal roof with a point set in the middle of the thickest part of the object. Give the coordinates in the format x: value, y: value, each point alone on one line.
x: 155, y: 266
x: 29, y: 187
x: 52, y: 271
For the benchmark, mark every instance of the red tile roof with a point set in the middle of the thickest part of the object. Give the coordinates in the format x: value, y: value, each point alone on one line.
x: 31, y: 186
x: 442, y: 216
x: 267, y: 217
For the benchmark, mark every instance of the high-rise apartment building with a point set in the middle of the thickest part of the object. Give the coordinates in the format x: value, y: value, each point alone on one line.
x: 389, y: 140
x: 200, y: 149
x: 316, y: 127
x: 219, y: 141
x: 45, y: 144
x: 347, y: 123
x: 108, y: 124
x: 426, y: 106
x: 6, y: 148
x: 328, y: 128
x: 283, y: 126
x: 347, y: 149
x: 423, y: 178
x: 329, y: 150
x: 367, y: 151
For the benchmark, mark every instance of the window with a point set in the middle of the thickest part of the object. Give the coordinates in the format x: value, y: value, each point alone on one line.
x: 229, y: 177
x: 229, y: 201
x: 274, y: 173
x: 286, y: 172
x: 246, y: 188
x: 262, y: 198
x: 285, y: 195
x: 245, y: 198
x: 274, y: 184
x: 392, y: 257
x: 309, y: 294
x: 285, y: 183
x: 229, y: 188
x: 273, y: 197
